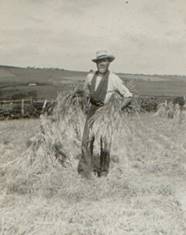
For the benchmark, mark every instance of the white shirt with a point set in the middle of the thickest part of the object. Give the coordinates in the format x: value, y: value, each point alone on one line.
x: 115, y: 84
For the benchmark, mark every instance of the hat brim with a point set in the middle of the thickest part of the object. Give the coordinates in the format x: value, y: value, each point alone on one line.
x: 110, y: 58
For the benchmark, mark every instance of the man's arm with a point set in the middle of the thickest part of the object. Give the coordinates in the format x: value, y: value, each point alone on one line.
x: 123, y: 91
x: 87, y: 84
x: 126, y: 102
x: 86, y: 90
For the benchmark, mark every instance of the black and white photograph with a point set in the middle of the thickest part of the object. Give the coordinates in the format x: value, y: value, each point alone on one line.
x: 92, y: 117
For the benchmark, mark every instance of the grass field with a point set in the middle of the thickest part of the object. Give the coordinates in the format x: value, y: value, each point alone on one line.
x: 144, y: 192
x: 14, y: 82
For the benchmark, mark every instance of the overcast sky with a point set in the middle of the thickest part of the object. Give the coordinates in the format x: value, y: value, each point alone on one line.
x: 146, y: 36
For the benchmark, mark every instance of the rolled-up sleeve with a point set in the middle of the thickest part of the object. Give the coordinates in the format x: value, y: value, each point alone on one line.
x: 121, y: 88
x: 87, y: 83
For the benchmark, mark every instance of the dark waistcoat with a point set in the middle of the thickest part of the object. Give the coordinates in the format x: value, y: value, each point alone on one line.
x: 97, y: 96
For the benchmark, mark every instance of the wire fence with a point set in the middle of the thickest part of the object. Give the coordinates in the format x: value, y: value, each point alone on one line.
x: 33, y: 107
x: 25, y: 108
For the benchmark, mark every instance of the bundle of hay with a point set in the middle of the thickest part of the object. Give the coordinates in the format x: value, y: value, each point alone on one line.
x: 55, y: 146
x: 166, y: 109
x: 55, y: 149
x: 62, y: 131
x: 108, y: 121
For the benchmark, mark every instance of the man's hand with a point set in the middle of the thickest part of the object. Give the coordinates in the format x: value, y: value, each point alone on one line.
x: 126, y: 102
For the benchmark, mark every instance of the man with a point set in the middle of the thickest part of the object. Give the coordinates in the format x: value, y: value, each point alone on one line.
x: 99, y: 87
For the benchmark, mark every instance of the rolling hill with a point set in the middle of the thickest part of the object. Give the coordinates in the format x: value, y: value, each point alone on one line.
x: 17, y: 82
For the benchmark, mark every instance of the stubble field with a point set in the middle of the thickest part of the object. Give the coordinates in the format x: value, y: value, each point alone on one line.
x: 144, y: 192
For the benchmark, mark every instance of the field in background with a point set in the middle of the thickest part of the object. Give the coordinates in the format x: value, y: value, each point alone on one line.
x: 16, y: 83
x: 143, y: 194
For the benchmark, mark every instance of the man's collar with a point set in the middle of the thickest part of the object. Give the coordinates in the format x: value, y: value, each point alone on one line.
x: 102, y: 74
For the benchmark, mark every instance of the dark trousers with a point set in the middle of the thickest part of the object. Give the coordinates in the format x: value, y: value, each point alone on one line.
x: 88, y: 162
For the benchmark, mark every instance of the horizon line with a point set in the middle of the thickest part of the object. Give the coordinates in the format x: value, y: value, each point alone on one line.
x: 60, y: 68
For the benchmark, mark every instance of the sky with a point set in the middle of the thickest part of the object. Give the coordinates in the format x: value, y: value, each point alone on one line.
x: 146, y: 36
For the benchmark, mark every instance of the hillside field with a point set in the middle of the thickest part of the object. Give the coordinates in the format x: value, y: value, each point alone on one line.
x: 18, y: 83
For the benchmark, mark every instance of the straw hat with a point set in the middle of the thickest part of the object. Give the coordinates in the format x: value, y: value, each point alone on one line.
x: 103, y: 54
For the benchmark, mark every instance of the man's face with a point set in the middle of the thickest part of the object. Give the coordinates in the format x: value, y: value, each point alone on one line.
x: 103, y: 65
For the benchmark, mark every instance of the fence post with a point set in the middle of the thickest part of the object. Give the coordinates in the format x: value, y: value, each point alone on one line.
x: 44, y: 106
x: 22, y: 107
